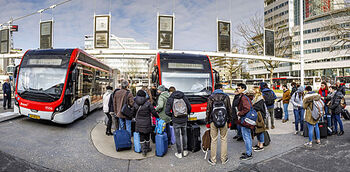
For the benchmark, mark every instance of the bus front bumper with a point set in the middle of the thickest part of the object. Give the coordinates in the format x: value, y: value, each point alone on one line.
x: 60, y: 118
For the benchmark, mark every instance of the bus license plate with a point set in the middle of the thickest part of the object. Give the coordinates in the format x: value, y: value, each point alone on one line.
x: 192, y: 118
x: 34, y: 116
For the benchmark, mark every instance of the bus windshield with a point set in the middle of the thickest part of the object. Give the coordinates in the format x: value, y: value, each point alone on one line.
x: 49, y: 81
x: 189, y: 83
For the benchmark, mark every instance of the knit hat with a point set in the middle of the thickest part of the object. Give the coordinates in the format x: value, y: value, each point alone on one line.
x: 161, y: 88
x: 141, y: 93
x: 262, y: 85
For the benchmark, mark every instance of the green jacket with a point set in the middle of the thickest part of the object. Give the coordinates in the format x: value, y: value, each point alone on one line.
x: 163, y: 97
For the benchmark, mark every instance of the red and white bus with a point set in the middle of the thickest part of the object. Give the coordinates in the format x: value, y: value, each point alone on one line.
x: 60, y: 85
x: 192, y: 74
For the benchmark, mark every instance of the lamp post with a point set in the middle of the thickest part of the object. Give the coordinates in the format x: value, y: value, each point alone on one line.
x: 301, y: 10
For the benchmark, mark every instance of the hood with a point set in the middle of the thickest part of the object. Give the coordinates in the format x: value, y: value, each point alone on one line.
x: 300, y: 89
x: 109, y: 91
x: 140, y: 100
x: 312, y: 96
x: 250, y: 94
x: 339, y: 94
x: 218, y: 91
x: 177, y: 95
x: 265, y: 90
x: 262, y: 85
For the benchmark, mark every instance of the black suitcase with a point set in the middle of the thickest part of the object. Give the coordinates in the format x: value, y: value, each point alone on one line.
x: 193, y: 137
x: 305, y: 130
x: 267, y: 139
x: 323, y: 129
x: 345, y: 113
x: 278, y: 111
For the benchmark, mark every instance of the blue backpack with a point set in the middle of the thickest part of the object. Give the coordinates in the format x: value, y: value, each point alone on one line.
x: 160, y: 126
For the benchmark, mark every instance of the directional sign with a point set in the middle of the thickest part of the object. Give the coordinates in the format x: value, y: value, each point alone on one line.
x: 269, y: 42
x: 165, y: 32
x: 5, y: 41
x: 46, y: 34
x: 101, y: 31
x: 224, y: 36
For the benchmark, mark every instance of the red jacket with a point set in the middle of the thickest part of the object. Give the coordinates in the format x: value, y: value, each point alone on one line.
x: 243, y: 105
x: 320, y: 92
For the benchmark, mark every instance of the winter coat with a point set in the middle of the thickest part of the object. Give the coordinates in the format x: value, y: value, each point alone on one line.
x: 260, y: 124
x: 110, y: 103
x: 323, y: 93
x: 265, y: 91
x: 6, y: 88
x: 341, y: 89
x: 286, y: 97
x: 106, y: 98
x: 296, y: 100
x: 143, y: 116
x: 163, y: 98
x: 169, y: 107
x: 118, y: 101
x: 308, y: 106
x: 218, y: 95
x: 259, y: 105
x: 335, y: 103
x: 243, y: 105
x: 234, y: 107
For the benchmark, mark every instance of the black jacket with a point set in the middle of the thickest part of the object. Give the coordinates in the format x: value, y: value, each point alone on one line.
x: 143, y: 117
x: 169, y: 107
x: 260, y: 107
x: 335, y: 103
x: 110, y: 103
x: 341, y: 89
x: 6, y: 88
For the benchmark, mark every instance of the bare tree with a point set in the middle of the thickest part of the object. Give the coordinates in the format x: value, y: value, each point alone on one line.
x: 253, y: 33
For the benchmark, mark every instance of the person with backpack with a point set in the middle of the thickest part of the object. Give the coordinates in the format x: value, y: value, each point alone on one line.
x: 313, y: 106
x: 178, y: 107
x: 260, y: 107
x: 323, y: 92
x: 294, y: 88
x: 143, y: 109
x: 336, y: 109
x: 161, y: 103
x: 269, y: 97
x: 285, y: 98
x: 298, y: 110
x: 106, y: 97
x: 244, y: 107
x: 123, y: 98
x: 218, y: 117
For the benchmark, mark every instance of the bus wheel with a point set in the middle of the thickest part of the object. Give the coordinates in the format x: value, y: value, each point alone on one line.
x: 86, y: 109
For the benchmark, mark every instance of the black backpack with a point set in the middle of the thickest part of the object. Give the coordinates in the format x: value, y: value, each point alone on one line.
x: 269, y: 98
x: 219, y: 113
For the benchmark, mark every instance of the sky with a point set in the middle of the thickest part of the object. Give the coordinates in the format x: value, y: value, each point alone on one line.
x: 195, y: 23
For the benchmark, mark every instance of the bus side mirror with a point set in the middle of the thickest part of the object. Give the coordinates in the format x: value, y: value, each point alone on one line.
x: 74, y: 75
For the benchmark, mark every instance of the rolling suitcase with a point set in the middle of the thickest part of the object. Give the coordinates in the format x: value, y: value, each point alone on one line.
x: 193, y: 137
x: 172, y: 134
x: 137, y: 144
x: 306, y: 130
x: 278, y: 111
x: 161, y: 144
x: 345, y: 113
x: 323, y: 129
x: 122, y: 140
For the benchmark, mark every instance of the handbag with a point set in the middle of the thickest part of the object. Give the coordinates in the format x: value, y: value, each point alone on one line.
x: 126, y: 109
x: 249, y: 120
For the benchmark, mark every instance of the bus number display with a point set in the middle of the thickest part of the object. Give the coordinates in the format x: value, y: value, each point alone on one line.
x: 54, y: 62
x: 184, y: 66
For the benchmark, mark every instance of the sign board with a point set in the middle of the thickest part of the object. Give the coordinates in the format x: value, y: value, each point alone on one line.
x: 4, y: 41
x: 165, y: 32
x: 14, y: 28
x: 269, y: 42
x: 224, y: 36
x: 101, y: 31
x: 46, y: 34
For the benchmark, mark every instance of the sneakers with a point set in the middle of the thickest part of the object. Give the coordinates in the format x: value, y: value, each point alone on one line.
x: 211, y: 162
x: 296, y: 132
x: 240, y: 139
x: 301, y: 133
x: 255, y: 147
x: 178, y: 155
x: 224, y: 162
x: 246, y: 157
x: 185, y: 153
x: 340, y: 133
x: 236, y: 137
x: 308, y: 144
x: 272, y: 127
x: 284, y: 120
x: 258, y: 149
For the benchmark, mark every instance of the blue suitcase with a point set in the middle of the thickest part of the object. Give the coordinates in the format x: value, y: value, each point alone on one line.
x: 122, y: 140
x: 172, y: 134
x: 137, y: 145
x: 161, y: 144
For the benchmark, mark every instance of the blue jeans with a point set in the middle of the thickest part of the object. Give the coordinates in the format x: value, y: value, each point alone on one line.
x: 285, y: 108
x: 311, y: 131
x: 260, y: 137
x: 239, y: 130
x: 299, y: 118
x: 122, y: 124
x: 328, y: 116
x: 247, y: 137
x: 337, y: 119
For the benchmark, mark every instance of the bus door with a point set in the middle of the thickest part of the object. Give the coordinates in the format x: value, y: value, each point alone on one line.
x: 77, y: 78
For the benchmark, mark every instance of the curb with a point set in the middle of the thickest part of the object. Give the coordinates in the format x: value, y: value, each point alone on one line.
x: 8, y: 115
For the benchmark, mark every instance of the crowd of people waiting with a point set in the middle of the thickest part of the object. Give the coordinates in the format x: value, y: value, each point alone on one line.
x: 249, y: 114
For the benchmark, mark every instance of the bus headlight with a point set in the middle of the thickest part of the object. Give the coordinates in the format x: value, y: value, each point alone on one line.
x: 60, y: 108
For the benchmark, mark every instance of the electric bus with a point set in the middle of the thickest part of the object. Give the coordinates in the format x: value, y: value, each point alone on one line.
x: 60, y: 85
x: 192, y: 74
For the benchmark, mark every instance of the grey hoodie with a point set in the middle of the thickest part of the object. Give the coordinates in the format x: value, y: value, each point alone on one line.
x: 297, y: 101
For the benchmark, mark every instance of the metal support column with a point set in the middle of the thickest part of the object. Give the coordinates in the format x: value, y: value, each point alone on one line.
x: 301, y: 10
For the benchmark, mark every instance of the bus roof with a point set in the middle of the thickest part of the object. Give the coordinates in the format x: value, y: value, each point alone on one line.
x: 182, y: 55
x: 50, y: 52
